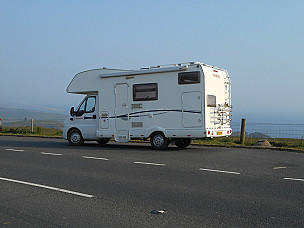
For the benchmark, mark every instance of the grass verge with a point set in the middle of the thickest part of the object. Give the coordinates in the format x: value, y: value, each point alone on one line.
x: 38, y: 131
x: 235, y: 141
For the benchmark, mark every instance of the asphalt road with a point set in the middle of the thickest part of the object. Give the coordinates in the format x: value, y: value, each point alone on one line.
x: 47, y: 183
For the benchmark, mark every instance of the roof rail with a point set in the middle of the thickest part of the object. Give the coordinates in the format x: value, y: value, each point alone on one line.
x: 183, y: 64
x: 144, y: 71
x: 213, y: 67
x: 174, y: 64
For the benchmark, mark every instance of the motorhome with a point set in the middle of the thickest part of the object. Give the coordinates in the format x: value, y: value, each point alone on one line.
x: 166, y: 103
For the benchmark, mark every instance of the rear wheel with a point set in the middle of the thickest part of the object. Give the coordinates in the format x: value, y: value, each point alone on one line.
x: 75, y: 138
x: 103, y: 141
x: 182, y: 143
x: 159, y: 141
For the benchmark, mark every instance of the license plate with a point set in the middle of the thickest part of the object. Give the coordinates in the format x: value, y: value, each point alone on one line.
x: 219, y: 133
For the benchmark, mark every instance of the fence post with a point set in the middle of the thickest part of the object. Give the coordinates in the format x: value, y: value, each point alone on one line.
x: 243, y: 131
x: 32, y: 125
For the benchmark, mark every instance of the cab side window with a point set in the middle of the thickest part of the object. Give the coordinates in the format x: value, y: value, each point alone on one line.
x: 90, y: 107
x: 82, y: 107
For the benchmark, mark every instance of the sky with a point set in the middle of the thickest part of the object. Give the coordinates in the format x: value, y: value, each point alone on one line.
x: 43, y: 44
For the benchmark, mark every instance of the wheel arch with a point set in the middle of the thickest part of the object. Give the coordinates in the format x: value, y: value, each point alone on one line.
x: 73, y: 128
x: 154, y: 130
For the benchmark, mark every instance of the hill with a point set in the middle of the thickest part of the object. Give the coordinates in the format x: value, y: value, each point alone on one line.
x: 14, y: 117
x: 10, y: 114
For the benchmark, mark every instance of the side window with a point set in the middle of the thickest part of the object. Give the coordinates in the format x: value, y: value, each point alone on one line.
x: 211, y: 101
x: 145, y: 92
x: 90, y: 107
x: 82, y: 106
x: 189, y: 78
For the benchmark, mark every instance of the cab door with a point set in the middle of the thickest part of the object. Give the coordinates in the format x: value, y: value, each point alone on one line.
x: 86, y: 119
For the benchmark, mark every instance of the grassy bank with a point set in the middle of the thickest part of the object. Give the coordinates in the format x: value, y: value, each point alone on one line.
x: 38, y: 131
x: 235, y: 141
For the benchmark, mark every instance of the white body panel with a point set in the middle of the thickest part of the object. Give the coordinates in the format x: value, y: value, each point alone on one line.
x: 179, y: 111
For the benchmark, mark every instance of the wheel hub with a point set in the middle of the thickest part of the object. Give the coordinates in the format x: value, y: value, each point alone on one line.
x: 158, y: 140
x: 75, y: 137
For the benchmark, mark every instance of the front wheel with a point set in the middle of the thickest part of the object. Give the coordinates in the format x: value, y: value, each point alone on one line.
x: 159, y: 141
x: 182, y: 143
x: 75, y: 138
x: 103, y: 141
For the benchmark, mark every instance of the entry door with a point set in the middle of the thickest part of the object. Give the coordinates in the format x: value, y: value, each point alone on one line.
x: 122, y: 113
x: 192, y: 109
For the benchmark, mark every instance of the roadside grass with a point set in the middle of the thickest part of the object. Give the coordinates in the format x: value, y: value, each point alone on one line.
x: 38, y: 131
x: 250, y: 141
x: 221, y: 141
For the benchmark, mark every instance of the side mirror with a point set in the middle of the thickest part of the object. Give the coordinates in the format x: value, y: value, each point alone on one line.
x: 72, y: 111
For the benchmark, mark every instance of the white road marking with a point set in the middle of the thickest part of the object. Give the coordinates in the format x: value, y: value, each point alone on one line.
x: 51, y: 154
x: 96, y: 158
x: 283, y: 167
x: 219, y: 171
x: 149, y: 163
x: 15, y: 150
x: 288, y: 178
x: 47, y: 187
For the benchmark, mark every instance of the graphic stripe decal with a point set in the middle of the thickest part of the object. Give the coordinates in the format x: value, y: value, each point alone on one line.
x: 135, y: 114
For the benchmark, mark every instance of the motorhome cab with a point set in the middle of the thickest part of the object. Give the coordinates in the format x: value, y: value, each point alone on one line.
x: 167, y: 103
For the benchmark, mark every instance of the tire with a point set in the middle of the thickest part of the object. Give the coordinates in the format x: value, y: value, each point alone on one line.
x: 159, y: 141
x: 75, y: 138
x: 182, y: 143
x: 103, y: 141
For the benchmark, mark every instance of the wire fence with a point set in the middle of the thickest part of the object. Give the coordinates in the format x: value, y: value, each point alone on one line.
x: 268, y: 130
x: 56, y: 124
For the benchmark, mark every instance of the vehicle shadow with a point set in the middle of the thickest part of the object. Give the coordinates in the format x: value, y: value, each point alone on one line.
x: 28, y: 142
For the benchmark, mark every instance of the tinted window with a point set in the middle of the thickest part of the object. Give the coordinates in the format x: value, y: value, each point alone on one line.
x: 211, y: 101
x: 145, y: 92
x: 189, y: 78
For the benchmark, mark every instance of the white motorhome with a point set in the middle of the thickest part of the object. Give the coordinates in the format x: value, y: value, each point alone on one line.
x: 167, y: 103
